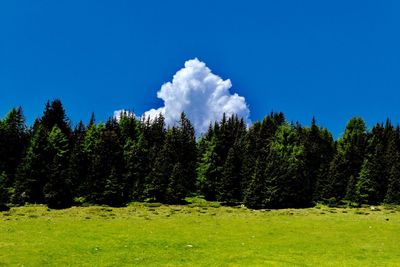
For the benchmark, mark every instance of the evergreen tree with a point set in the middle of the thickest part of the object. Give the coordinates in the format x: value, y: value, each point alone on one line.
x: 54, y: 115
x: 186, y: 153
x: 157, y: 180
x: 32, y: 173
x: 136, y: 167
x: 129, y: 127
x: 229, y: 187
x: 256, y: 191
x: 57, y: 191
x: 256, y: 142
x: 366, y: 184
x: 78, y: 162
x: 4, y: 193
x: 371, y: 185
x: 176, y: 190
x: 393, y: 189
x: 287, y: 184
x: 114, y: 190
x: 208, y: 172
x: 348, y: 161
x: 319, y: 149
x: 13, y: 142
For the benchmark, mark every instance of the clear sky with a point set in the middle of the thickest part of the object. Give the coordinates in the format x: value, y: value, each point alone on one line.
x: 331, y: 59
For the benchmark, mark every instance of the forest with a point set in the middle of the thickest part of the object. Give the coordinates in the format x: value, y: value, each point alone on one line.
x: 271, y: 164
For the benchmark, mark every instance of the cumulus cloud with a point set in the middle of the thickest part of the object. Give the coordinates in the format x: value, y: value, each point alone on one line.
x: 202, y: 95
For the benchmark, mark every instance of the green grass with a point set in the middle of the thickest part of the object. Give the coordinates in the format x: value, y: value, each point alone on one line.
x: 198, y: 235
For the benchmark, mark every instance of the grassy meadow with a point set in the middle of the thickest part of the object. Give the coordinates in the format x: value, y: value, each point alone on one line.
x: 199, y: 235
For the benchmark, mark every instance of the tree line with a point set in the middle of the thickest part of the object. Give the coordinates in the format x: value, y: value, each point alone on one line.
x: 271, y: 164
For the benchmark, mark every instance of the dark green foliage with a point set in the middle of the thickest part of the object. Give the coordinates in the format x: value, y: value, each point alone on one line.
x: 347, y: 162
x: 229, y: 187
x: 54, y: 115
x: 372, y: 181
x: 114, y: 190
x: 57, y: 190
x: 287, y: 182
x: 136, y: 167
x: 393, y: 188
x: 178, y: 153
x: 157, y: 180
x: 4, y: 194
x: 176, y: 190
x: 272, y: 164
x: 366, y: 187
x: 78, y: 161
x: 208, y: 171
x: 32, y: 174
x: 13, y: 142
x: 319, y: 149
x: 104, y: 151
x: 256, y: 143
x: 256, y: 190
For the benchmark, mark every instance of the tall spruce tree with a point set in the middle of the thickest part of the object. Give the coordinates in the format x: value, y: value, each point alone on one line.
x: 115, y: 191
x: 347, y: 162
x: 54, y: 115
x: 32, y: 173
x: 78, y: 162
x: 136, y: 167
x: 94, y: 182
x: 57, y: 190
x: 319, y: 149
x: 158, y: 178
x: 372, y: 180
x: 4, y: 193
x: 256, y: 142
x: 229, y: 187
x: 208, y: 171
x: 13, y: 142
x: 256, y: 191
x: 186, y: 154
x: 393, y: 189
x: 287, y: 184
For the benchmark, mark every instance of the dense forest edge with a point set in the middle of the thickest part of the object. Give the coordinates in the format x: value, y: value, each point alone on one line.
x: 271, y: 164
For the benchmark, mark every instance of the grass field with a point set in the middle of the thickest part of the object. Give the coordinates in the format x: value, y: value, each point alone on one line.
x: 198, y: 235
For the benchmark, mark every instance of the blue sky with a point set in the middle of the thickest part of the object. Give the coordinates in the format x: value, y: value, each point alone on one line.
x: 331, y: 59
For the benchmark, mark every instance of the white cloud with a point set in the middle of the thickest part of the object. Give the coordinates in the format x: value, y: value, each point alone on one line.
x: 202, y: 95
x: 123, y: 112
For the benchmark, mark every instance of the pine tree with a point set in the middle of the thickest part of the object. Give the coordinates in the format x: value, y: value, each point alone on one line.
x: 13, y: 142
x: 4, y: 194
x: 57, y: 191
x: 257, y: 142
x: 366, y: 186
x: 318, y: 153
x: 176, y: 190
x: 158, y: 178
x: 186, y: 153
x: 54, y: 115
x: 32, y: 173
x: 371, y: 185
x: 287, y: 184
x: 136, y: 167
x: 229, y: 187
x: 114, y: 189
x: 91, y: 186
x: 78, y: 162
x: 208, y: 172
x: 347, y: 161
x: 256, y: 192
x: 393, y: 189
